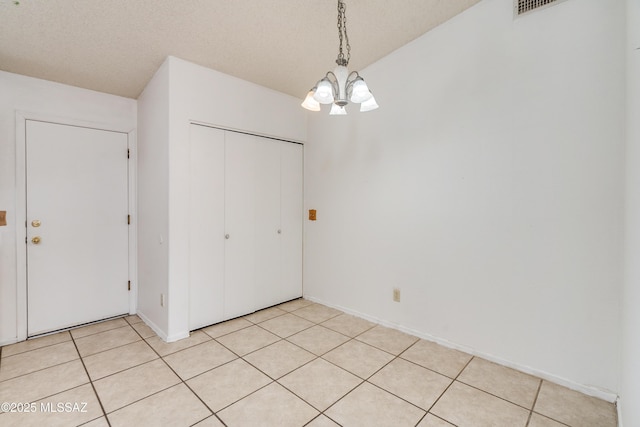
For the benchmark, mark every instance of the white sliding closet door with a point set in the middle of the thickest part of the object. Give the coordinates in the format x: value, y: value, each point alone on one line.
x: 268, y: 231
x: 292, y: 214
x: 241, y: 158
x: 206, y: 219
x: 245, y: 249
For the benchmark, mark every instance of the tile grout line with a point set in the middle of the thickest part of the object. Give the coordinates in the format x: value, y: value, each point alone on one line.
x: 535, y: 399
x: 152, y: 394
x: 362, y: 381
x: 124, y: 370
x: 316, y: 357
x: 495, y: 395
x: 534, y: 405
x: 100, y: 322
x: 273, y: 380
x: 38, y: 370
x: 33, y: 340
x: 276, y: 380
x: 95, y: 392
x: 27, y: 351
x: 323, y: 412
x: 181, y: 381
x: 395, y: 357
x: 448, y: 387
x: 242, y: 357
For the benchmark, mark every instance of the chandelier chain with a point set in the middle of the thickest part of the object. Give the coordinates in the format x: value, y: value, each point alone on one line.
x: 342, y: 35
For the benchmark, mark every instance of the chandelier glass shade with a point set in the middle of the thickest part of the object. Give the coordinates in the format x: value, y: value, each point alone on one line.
x: 339, y: 87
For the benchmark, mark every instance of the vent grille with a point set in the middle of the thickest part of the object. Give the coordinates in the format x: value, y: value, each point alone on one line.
x: 524, y: 6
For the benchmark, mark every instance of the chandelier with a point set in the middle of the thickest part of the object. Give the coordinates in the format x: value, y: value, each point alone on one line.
x: 339, y: 87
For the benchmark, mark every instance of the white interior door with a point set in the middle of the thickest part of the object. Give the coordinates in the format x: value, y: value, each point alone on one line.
x: 206, y: 219
x: 77, y: 232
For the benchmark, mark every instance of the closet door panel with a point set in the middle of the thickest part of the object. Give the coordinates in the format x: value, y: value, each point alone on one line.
x: 267, y: 222
x: 291, y: 190
x: 240, y: 207
x: 206, y: 233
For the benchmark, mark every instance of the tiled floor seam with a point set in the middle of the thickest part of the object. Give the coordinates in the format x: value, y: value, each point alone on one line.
x: 271, y: 332
x: 213, y: 413
x: 400, y: 397
x: 428, y: 369
x: 159, y: 391
x: 381, y: 349
x: 27, y: 351
x: 309, y: 403
x: 316, y: 323
x: 552, y: 419
x: 446, y: 389
x: 538, y: 413
x: 152, y: 394
x: 304, y: 364
x: 243, y: 397
x: 39, y: 370
x: 237, y: 357
x: 223, y: 335
x: 288, y: 373
x: 93, y: 387
x: 99, y: 332
x: 498, y: 397
x: 533, y: 405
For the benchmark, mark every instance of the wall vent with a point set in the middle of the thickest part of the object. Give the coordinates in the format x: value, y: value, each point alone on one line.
x: 524, y: 6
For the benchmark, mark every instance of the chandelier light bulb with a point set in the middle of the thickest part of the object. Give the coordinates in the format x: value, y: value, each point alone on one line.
x: 337, y: 110
x: 369, y: 105
x: 360, y: 91
x: 324, y: 92
x: 309, y: 103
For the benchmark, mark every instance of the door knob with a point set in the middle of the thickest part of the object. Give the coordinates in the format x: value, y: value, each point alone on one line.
x: 35, y: 223
x: 226, y: 236
x: 36, y: 240
x: 279, y: 231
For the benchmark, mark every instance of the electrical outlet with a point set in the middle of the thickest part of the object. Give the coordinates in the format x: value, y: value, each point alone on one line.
x: 396, y: 294
x: 161, y: 300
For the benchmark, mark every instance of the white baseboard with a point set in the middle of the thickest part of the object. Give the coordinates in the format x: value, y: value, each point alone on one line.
x: 153, y: 326
x: 588, y: 390
x: 177, y: 337
x: 619, y: 410
x: 8, y: 342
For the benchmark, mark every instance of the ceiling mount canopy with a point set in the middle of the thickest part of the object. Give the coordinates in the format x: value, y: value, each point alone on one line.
x: 339, y: 87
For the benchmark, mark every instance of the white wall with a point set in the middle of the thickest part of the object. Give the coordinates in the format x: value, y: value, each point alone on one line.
x: 488, y: 187
x: 198, y: 94
x: 153, y: 200
x: 630, y: 393
x: 20, y: 93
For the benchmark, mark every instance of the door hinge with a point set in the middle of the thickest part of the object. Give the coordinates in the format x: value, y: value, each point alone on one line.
x: 129, y: 285
x: 128, y: 153
x: 128, y: 219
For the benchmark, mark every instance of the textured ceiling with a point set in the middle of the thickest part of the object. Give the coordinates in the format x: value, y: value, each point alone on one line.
x: 115, y: 46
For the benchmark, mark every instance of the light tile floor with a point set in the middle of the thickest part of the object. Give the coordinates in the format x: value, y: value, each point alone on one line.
x: 297, y: 364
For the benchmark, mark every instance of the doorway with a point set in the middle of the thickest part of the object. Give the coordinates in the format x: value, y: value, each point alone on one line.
x: 76, y: 193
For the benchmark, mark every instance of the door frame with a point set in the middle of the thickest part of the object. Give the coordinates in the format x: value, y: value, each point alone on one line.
x: 21, y: 206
